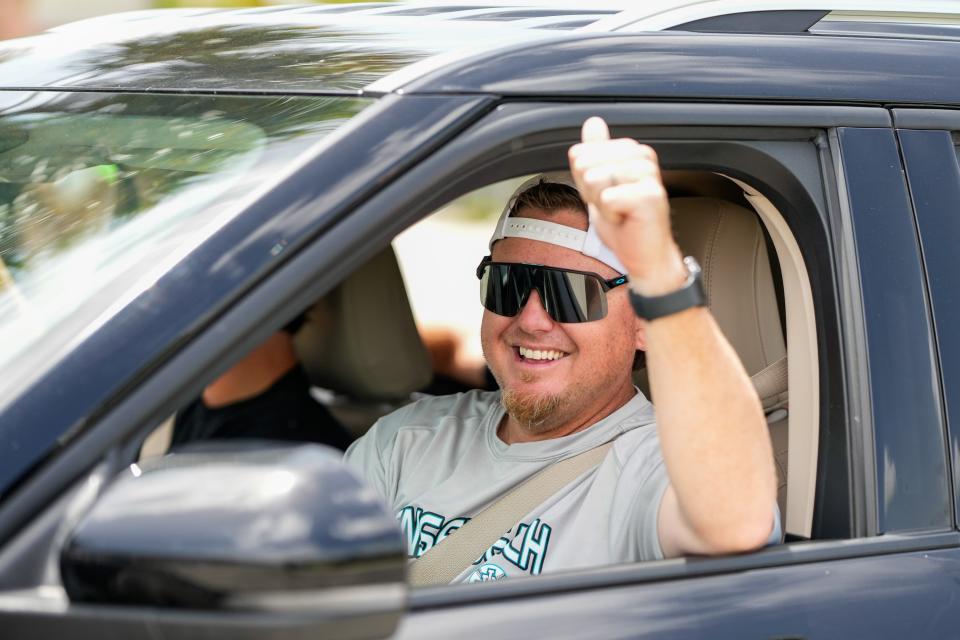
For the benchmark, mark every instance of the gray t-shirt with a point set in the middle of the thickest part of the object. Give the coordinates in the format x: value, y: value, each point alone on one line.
x: 438, y: 462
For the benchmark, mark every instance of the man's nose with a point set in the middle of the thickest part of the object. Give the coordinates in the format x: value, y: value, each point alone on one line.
x: 533, y: 317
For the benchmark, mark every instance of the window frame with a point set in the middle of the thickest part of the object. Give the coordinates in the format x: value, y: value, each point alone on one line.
x: 930, y: 144
x: 843, y: 269
x: 521, y: 138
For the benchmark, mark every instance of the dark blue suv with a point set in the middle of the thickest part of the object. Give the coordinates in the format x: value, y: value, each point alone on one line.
x: 177, y: 185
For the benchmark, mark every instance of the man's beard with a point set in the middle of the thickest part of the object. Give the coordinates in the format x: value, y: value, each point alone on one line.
x: 531, y: 411
x: 535, y: 413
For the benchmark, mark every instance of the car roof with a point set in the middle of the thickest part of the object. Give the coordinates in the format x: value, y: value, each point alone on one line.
x: 716, y: 68
x: 380, y: 47
x: 657, y: 15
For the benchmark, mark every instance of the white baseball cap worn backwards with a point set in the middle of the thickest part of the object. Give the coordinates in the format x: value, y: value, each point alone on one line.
x: 586, y: 242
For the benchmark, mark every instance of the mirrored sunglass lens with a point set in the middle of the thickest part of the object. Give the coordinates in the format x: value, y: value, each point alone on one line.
x: 503, y: 289
x: 573, y: 297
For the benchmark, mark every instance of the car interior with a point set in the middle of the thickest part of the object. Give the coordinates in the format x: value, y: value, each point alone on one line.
x: 757, y: 287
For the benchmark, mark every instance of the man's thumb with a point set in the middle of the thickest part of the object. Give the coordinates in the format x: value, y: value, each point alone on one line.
x: 595, y: 130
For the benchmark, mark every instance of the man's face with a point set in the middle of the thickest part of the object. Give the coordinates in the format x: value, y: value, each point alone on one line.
x: 583, y: 369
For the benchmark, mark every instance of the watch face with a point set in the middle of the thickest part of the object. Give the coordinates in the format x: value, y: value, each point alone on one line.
x: 692, y: 265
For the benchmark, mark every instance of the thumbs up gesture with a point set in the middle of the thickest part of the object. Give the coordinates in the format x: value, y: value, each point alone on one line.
x: 620, y: 182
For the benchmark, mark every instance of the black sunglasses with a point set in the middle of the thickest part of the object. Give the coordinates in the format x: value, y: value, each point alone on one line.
x: 566, y: 295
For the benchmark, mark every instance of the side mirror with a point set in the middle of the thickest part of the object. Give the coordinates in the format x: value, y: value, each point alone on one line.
x: 241, y: 528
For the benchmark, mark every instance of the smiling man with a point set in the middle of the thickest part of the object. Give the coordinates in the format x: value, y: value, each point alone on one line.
x: 583, y: 272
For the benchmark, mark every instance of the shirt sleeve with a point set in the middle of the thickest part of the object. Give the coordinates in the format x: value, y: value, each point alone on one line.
x: 366, y: 457
x: 642, y: 483
x: 371, y: 454
x: 776, y: 536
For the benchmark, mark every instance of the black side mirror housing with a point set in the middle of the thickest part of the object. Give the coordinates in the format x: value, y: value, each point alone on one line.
x: 240, y: 527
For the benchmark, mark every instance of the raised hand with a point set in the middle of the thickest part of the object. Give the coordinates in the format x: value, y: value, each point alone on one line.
x: 621, y: 184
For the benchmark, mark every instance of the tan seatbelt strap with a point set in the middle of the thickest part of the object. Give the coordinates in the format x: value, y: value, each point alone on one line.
x: 448, y: 559
x: 771, y: 381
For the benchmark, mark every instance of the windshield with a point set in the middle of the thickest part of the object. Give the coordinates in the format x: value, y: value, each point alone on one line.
x: 100, y: 194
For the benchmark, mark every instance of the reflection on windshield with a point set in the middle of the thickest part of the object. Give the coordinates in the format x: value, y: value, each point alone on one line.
x: 299, y: 57
x: 98, y: 190
x: 224, y: 50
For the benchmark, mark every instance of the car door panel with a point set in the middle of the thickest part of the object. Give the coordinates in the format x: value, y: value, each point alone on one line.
x: 891, y: 596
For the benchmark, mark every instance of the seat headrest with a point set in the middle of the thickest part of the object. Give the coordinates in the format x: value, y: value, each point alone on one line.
x: 361, y: 338
x: 728, y: 242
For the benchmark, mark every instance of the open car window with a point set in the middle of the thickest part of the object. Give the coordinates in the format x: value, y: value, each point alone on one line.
x: 712, y: 214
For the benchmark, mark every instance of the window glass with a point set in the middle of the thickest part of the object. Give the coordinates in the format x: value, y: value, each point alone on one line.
x: 100, y: 194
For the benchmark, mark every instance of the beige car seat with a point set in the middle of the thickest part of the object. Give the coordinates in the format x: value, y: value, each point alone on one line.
x: 361, y: 342
x: 728, y: 242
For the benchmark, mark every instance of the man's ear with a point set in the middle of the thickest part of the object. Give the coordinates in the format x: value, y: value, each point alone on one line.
x: 640, y: 334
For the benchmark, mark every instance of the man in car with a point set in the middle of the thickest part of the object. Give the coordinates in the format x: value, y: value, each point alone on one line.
x: 559, y: 333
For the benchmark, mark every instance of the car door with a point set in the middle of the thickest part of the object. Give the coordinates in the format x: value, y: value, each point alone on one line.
x: 882, y: 514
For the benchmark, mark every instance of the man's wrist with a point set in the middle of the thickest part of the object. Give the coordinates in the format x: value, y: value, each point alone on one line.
x: 687, y: 295
x: 660, y: 279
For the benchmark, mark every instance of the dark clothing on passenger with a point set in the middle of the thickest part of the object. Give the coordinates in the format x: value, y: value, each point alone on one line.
x: 285, y: 411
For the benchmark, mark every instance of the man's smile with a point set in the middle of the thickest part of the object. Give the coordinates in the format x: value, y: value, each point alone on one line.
x: 538, y: 356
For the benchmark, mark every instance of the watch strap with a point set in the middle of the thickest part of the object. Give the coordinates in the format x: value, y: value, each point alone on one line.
x: 690, y: 294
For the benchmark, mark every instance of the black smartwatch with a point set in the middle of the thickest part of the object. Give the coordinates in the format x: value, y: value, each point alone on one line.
x: 690, y: 294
